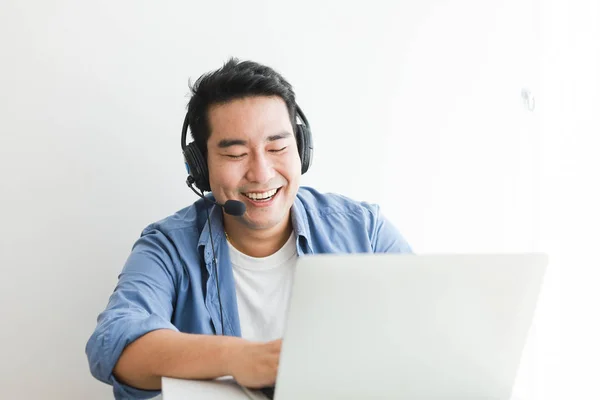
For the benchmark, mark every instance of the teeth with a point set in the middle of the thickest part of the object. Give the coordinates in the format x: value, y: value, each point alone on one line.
x: 260, y: 196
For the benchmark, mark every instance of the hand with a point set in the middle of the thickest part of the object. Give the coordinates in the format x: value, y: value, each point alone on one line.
x: 254, y: 365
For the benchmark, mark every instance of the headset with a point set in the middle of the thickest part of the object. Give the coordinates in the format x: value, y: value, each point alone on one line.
x: 197, y: 167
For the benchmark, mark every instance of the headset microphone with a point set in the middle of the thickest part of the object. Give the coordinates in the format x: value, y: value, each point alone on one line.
x: 232, y: 207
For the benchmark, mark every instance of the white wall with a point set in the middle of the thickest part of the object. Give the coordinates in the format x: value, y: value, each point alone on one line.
x: 414, y: 105
x: 569, y: 200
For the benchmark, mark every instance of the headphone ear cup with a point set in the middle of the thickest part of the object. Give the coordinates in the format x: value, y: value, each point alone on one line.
x: 305, y: 146
x: 197, y: 167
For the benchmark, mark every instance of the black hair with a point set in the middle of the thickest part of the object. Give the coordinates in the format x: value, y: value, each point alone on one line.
x: 235, y: 80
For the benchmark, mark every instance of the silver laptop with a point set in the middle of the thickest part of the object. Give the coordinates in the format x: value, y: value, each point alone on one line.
x: 389, y: 326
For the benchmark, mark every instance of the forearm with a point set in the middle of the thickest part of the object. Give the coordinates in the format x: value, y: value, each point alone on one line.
x: 179, y: 355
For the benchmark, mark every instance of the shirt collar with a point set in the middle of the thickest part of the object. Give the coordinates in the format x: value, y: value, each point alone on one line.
x: 218, y: 233
x: 300, y: 222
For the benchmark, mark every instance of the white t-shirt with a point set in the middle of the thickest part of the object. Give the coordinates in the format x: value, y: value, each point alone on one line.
x: 263, y: 287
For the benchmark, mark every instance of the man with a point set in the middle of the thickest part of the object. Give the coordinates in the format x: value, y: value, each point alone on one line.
x: 184, y: 309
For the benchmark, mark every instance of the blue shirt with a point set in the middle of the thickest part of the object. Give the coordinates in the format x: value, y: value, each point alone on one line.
x: 168, y: 281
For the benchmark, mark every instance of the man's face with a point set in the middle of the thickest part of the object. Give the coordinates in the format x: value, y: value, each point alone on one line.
x: 253, y: 158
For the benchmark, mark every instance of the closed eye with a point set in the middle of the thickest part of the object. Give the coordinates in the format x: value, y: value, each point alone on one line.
x: 278, y: 150
x: 235, y: 156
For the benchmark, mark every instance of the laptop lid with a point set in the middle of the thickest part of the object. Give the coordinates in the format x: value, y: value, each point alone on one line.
x: 391, y: 326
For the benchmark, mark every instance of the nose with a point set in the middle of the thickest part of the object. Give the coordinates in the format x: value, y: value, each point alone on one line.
x: 260, y: 168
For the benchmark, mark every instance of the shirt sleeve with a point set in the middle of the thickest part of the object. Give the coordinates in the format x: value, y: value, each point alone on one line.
x: 385, y: 237
x: 142, y: 302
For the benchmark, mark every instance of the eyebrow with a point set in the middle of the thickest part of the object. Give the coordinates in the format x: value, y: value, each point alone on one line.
x: 225, y: 143
x: 231, y: 142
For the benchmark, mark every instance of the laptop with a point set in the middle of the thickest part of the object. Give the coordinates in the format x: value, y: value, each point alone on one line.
x: 418, y: 327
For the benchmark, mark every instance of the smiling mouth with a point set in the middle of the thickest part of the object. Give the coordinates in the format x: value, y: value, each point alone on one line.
x: 262, y: 196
